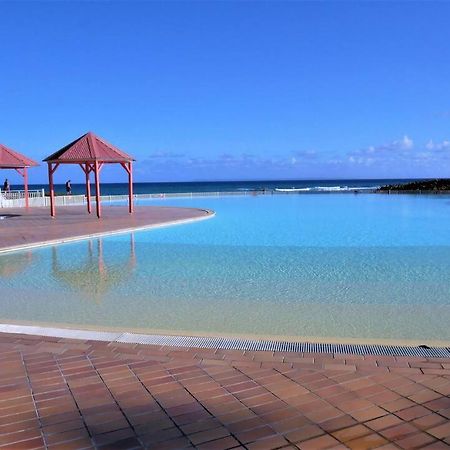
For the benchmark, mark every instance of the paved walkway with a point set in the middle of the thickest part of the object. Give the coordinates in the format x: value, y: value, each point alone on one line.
x: 22, y: 227
x: 67, y: 394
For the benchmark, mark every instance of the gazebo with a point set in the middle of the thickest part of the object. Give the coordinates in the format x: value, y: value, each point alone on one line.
x: 9, y: 159
x: 90, y: 152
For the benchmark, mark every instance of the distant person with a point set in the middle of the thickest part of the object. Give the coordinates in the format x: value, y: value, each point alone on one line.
x: 68, y: 188
x: 6, y: 186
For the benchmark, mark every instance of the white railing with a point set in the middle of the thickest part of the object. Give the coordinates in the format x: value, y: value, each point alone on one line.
x: 16, y: 198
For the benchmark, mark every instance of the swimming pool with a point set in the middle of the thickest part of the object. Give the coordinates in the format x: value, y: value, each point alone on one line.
x: 324, y: 266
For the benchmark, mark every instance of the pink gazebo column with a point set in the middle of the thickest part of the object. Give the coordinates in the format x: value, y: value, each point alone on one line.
x: 130, y: 188
x: 97, y: 188
x: 24, y: 173
x: 129, y: 168
x: 51, y: 171
x: 25, y: 187
x: 87, y: 168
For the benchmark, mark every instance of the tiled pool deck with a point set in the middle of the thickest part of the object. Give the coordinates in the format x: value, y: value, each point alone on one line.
x: 22, y: 228
x: 72, y: 394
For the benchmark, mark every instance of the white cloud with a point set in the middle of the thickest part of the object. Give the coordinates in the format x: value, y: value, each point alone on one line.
x: 406, y: 143
x: 431, y: 145
x: 398, y: 157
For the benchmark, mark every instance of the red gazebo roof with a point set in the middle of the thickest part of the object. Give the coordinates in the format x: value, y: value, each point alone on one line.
x: 89, y: 148
x: 9, y: 159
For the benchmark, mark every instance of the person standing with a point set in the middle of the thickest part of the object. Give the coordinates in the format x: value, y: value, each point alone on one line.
x: 6, y: 186
x: 68, y: 188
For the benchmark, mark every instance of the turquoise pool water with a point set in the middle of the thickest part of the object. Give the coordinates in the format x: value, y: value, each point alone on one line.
x: 322, y: 265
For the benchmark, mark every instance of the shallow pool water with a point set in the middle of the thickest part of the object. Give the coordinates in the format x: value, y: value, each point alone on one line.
x: 322, y: 265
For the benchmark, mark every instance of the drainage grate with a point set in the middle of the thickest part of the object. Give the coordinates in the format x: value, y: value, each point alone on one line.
x: 283, y: 346
x: 229, y: 343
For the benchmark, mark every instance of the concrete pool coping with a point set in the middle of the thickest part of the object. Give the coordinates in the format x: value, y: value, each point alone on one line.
x: 116, y: 220
x: 230, y: 343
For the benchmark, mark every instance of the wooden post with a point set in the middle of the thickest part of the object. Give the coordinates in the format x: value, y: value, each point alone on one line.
x: 52, y: 190
x: 97, y: 189
x: 25, y: 186
x: 130, y: 187
x: 88, y: 187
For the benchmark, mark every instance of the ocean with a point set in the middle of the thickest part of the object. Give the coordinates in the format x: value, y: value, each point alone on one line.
x: 225, y: 186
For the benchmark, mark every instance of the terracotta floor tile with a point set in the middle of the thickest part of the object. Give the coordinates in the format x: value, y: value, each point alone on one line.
x: 418, y: 440
x: 25, y: 445
x: 106, y: 427
x: 154, y: 438
x: 324, y: 414
x: 11, y: 438
x: 366, y: 442
x: 355, y: 405
x: 273, y: 442
x: 279, y: 415
x: 174, y: 444
x: 304, y: 434
x: 246, y: 424
x: 398, y: 432
x: 123, y: 444
x: 322, y: 442
x: 209, y: 435
x: 423, y: 396
x: 202, y: 425
x: 79, y: 444
x: 437, y: 445
x: 440, y: 431
x: 338, y: 423
x: 397, y: 405
x: 296, y: 422
x: 219, y: 444
x: 384, y: 422
x: 368, y: 414
x: 254, y: 434
x: 350, y: 433
x: 412, y: 413
x: 66, y: 436
x: 438, y: 404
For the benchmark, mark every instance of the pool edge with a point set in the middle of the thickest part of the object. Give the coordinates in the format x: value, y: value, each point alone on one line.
x: 228, y: 343
x: 209, y: 215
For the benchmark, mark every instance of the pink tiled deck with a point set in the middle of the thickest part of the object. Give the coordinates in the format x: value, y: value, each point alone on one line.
x: 67, y: 394
x: 35, y: 225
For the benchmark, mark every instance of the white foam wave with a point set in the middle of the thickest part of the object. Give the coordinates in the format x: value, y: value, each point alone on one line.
x: 326, y: 189
x: 292, y: 189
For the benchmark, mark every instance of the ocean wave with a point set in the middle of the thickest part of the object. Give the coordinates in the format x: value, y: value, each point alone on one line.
x: 292, y: 189
x: 326, y: 189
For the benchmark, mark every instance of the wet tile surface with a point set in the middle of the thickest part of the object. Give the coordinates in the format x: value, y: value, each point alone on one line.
x: 68, y: 394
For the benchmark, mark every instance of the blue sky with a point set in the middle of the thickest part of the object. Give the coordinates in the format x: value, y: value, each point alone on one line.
x: 232, y: 90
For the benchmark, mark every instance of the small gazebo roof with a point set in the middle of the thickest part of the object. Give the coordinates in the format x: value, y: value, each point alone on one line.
x: 9, y: 159
x: 89, y: 148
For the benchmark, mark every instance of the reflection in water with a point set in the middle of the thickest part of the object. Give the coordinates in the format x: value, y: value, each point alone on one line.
x: 14, y: 263
x: 95, y: 276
